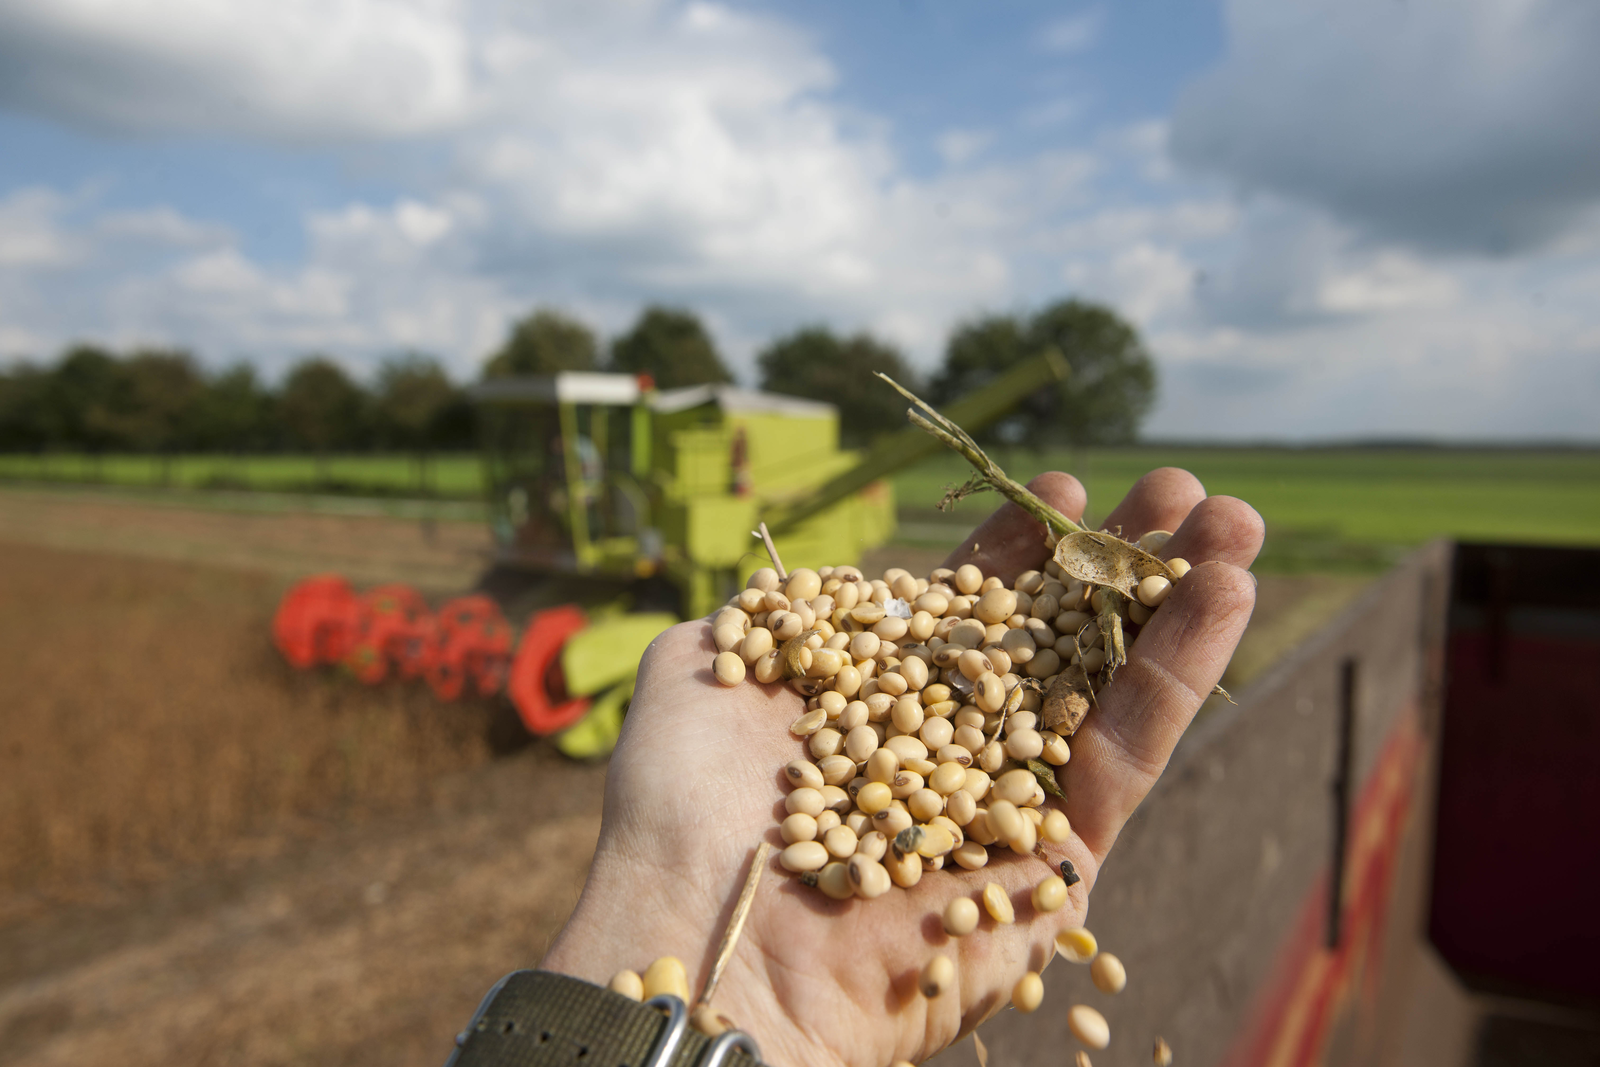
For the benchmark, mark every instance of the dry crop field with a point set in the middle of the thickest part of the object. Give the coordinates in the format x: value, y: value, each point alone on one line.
x: 206, y: 857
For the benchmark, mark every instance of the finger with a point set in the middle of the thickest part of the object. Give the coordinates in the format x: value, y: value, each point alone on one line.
x: 1011, y: 541
x: 1158, y: 501
x: 1221, y: 528
x: 1125, y: 743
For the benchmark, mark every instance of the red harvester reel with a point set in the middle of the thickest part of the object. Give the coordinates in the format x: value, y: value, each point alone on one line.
x: 390, y: 618
x: 388, y: 631
x: 470, y: 642
x: 316, y: 622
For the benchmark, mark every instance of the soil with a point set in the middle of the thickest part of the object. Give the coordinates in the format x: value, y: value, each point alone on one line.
x: 206, y: 857
x: 435, y: 556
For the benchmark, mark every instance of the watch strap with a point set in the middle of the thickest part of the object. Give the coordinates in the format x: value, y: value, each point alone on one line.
x: 543, y: 1019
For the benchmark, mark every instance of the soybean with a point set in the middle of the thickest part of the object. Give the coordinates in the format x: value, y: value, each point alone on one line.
x: 798, y: 827
x: 1108, y: 974
x: 996, y: 903
x: 841, y: 843
x: 1050, y: 894
x: 803, y: 856
x: 628, y: 983
x: 834, y: 881
x: 1088, y: 1026
x: 868, y: 877
x: 960, y: 917
x: 729, y: 668
x: 666, y: 975
x: 1055, y: 828
x: 1028, y: 993
x: 1153, y: 590
x: 937, y: 976
x: 1077, y: 945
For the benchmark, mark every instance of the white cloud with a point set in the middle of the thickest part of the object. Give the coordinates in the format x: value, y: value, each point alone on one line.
x: 602, y: 156
x: 291, y: 70
x: 160, y: 225
x: 1055, y: 112
x: 1148, y: 281
x: 1468, y: 124
x: 30, y: 232
x: 958, y: 146
x: 1390, y: 281
x: 1074, y: 33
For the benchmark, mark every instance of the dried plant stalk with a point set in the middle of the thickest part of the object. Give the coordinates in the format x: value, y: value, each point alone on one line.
x: 772, y: 551
x: 1095, y: 558
x: 959, y: 440
x: 741, y: 912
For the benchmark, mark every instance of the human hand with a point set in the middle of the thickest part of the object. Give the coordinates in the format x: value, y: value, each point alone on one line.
x: 697, y: 780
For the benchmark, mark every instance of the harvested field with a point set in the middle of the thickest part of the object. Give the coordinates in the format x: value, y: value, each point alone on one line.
x: 436, y: 556
x: 365, y: 945
x: 150, y: 722
x: 206, y: 857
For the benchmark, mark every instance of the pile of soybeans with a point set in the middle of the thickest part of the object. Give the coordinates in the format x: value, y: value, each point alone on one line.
x: 937, y: 710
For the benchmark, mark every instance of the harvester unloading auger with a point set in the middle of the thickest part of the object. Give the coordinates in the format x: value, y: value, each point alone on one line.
x: 607, y: 497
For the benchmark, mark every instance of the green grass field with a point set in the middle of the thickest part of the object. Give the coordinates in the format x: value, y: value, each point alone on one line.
x: 452, y: 475
x: 1335, y: 508
x: 1326, y: 509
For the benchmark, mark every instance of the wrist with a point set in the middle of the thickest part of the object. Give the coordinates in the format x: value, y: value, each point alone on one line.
x: 542, y: 1018
x: 620, y: 923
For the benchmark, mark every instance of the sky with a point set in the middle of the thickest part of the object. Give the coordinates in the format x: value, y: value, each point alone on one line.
x: 1328, y: 218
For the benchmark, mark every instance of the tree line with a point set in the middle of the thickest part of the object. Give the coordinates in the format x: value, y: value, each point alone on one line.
x: 162, y: 402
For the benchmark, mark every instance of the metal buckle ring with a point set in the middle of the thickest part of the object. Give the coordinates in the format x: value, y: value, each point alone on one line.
x: 672, y: 1035
x: 722, y: 1047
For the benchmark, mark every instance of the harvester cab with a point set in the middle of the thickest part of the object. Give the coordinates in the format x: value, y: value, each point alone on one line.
x: 607, y: 495
x: 602, y: 475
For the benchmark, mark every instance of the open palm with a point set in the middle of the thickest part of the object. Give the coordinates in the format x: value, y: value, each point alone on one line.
x: 696, y: 783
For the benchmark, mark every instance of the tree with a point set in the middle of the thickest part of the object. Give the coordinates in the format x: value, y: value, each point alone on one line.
x: 321, y: 408
x: 413, y: 393
x: 154, y: 411
x: 80, y: 397
x: 978, y: 352
x: 814, y: 362
x: 544, y: 343
x: 1105, y: 397
x: 234, y: 412
x: 24, y: 415
x: 1113, y: 381
x: 670, y: 345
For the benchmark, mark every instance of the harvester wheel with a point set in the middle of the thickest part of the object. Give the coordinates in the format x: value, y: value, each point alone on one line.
x: 537, y: 687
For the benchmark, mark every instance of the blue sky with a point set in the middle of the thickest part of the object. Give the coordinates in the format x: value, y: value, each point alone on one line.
x: 1329, y: 218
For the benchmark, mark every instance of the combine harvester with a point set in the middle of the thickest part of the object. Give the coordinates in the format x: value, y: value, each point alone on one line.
x: 618, y: 509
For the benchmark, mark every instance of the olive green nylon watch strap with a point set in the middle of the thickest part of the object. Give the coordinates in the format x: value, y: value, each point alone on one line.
x: 541, y: 1019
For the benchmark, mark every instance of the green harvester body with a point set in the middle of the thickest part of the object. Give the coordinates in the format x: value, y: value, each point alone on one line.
x: 602, y: 476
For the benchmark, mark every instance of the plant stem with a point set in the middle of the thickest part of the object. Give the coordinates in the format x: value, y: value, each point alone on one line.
x: 772, y: 552
x: 741, y: 912
x: 961, y: 442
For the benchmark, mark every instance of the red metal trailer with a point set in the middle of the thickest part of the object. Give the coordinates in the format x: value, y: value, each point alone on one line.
x: 1387, y: 854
